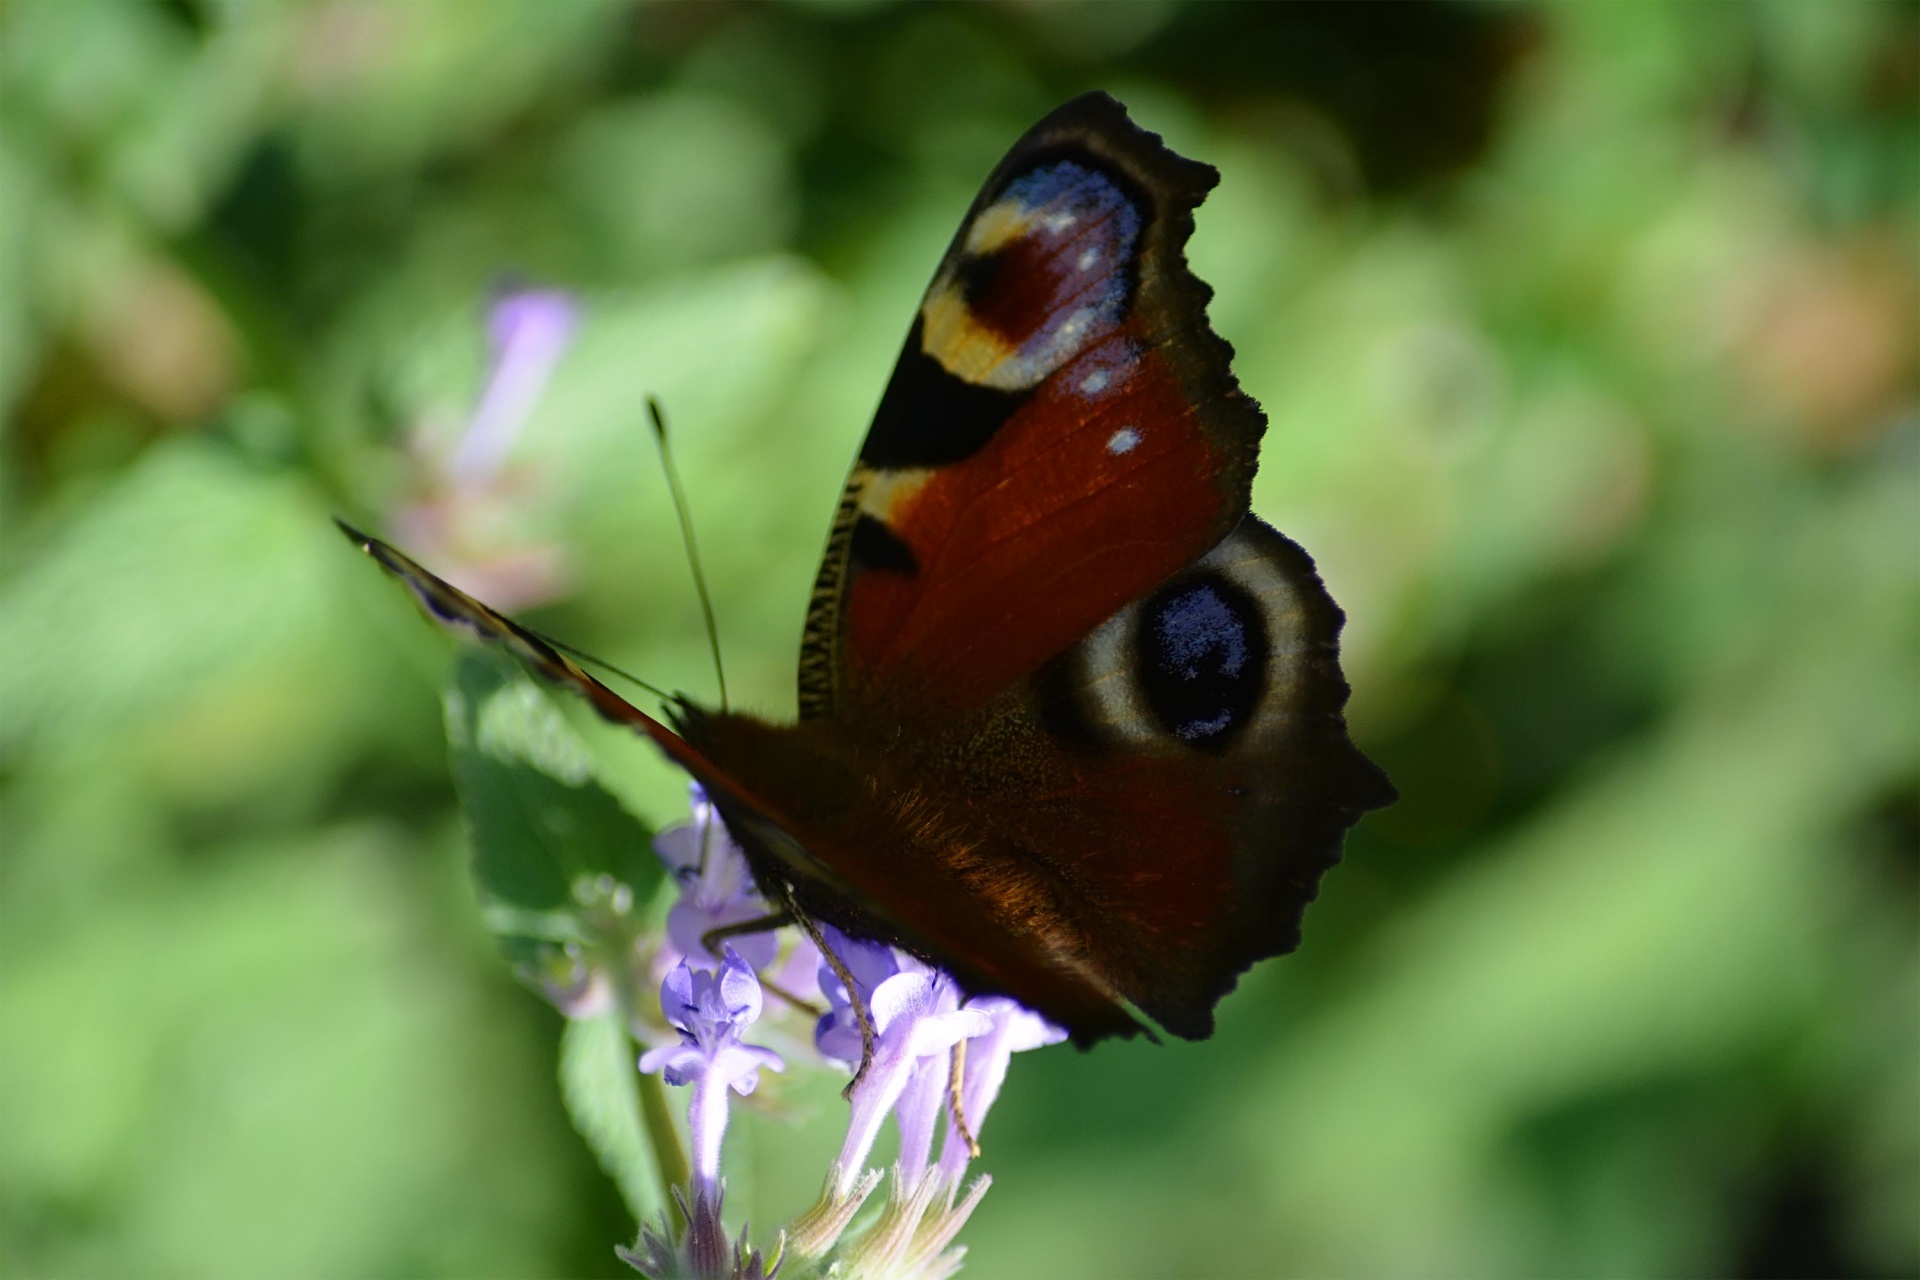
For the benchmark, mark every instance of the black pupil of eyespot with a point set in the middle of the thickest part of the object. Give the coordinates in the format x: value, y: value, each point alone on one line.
x: 1202, y: 646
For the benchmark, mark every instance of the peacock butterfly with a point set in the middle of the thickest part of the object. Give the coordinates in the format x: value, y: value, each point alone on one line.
x: 1071, y: 718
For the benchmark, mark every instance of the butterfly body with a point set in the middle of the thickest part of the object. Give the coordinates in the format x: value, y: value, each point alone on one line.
x: 1071, y: 719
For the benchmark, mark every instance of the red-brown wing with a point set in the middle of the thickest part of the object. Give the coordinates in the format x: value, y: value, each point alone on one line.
x: 1107, y: 703
x: 1061, y: 434
x: 1203, y: 776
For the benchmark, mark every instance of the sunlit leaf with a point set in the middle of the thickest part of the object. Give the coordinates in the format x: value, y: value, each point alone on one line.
x: 543, y: 829
x: 602, y: 1091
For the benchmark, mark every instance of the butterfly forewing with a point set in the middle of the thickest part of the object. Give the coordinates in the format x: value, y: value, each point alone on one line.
x: 1061, y: 433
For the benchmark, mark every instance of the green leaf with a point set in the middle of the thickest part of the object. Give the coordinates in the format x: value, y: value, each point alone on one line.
x: 185, y: 576
x: 543, y: 828
x: 601, y: 1087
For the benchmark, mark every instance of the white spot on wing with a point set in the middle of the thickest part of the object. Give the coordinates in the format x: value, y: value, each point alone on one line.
x: 1094, y: 383
x: 1087, y: 258
x: 1123, y: 441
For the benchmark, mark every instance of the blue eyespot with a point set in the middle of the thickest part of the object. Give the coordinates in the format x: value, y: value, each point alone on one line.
x: 1202, y: 650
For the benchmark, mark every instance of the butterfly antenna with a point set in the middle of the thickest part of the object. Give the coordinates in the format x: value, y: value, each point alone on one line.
x: 602, y: 663
x: 686, y: 536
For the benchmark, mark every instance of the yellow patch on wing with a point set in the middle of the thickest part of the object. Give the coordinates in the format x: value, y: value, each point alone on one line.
x: 949, y: 332
x: 999, y: 225
x: 964, y: 347
x: 884, y: 493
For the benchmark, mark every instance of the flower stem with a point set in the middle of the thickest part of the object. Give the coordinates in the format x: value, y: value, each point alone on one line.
x: 669, y: 1156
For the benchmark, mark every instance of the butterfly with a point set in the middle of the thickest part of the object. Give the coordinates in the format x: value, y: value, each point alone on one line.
x: 1071, y: 717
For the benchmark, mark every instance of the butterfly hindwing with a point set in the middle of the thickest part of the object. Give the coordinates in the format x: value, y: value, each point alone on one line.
x: 1210, y: 779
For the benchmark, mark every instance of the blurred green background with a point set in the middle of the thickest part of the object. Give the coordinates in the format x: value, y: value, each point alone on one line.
x: 1588, y: 335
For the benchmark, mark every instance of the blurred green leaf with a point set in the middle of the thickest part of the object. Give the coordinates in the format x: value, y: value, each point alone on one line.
x: 543, y: 829
x: 273, y: 1067
x: 602, y: 1093
x: 185, y: 575
x: 18, y: 188
x: 421, y: 79
x: 678, y: 180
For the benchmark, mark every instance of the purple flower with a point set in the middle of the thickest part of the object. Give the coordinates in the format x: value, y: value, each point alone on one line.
x: 716, y: 887
x: 798, y: 972
x: 710, y: 1010
x: 923, y: 1101
x: 463, y: 512
x: 917, y: 1022
x: 531, y: 329
x: 925, y: 1208
x: 914, y: 1018
x: 703, y: 1252
x: 1014, y: 1029
x: 837, y: 1035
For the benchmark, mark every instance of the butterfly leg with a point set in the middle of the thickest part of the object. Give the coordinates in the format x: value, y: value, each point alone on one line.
x: 862, y: 1014
x: 710, y: 940
x: 799, y: 1002
x: 710, y: 943
x: 955, y: 1082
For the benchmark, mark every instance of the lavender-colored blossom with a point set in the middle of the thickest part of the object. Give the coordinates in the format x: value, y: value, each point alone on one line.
x: 925, y: 1207
x: 710, y: 1010
x: 917, y: 1019
x: 922, y: 1102
x: 798, y: 972
x: 530, y: 330
x: 837, y: 1035
x: 916, y: 1023
x: 716, y: 887
x: 913, y: 1018
x: 464, y: 507
x: 1014, y: 1029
